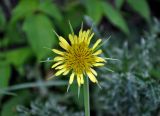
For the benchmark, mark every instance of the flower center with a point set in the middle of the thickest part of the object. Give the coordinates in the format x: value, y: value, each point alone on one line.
x: 79, y: 58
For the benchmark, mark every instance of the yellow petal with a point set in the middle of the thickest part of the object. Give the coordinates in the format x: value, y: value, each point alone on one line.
x: 56, y: 64
x: 61, y: 66
x: 78, y: 80
x: 99, y: 59
x: 80, y: 37
x: 58, y: 58
x: 66, y: 72
x: 89, y: 39
x: 87, y: 33
x: 75, y: 39
x: 71, y: 39
x: 58, y: 52
x: 98, y: 64
x: 60, y: 72
x: 80, y: 33
x: 63, y: 41
x: 86, y: 36
x: 92, y: 77
x: 81, y: 77
x: 93, y: 71
x: 96, y: 44
x: 64, y: 47
x: 83, y: 38
x: 71, y: 78
x: 97, y: 52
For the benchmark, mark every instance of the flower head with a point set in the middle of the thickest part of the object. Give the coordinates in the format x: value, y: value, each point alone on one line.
x: 77, y: 57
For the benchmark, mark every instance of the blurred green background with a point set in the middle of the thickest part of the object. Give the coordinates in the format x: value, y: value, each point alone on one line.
x: 26, y: 27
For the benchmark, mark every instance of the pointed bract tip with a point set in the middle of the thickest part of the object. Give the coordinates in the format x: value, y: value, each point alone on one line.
x: 99, y: 85
x: 68, y: 88
x: 79, y: 91
x: 81, y: 26
x: 55, y: 33
x: 49, y: 78
x: 47, y: 48
x: 71, y: 28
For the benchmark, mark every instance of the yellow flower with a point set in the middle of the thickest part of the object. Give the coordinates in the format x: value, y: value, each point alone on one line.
x: 77, y: 57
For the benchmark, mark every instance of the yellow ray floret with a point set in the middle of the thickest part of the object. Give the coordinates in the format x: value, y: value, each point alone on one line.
x: 77, y: 57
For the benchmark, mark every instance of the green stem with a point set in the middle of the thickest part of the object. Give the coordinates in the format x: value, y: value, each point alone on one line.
x: 86, y: 97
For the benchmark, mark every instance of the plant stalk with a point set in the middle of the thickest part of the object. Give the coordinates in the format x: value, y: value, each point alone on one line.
x: 86, y: 96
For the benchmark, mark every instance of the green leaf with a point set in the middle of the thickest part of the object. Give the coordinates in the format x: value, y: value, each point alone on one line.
x: 4, y: 42
x: 71, y: 16
x: 119, y: 3
x: 94, y: 10
x: 24, y: 9
x: 2, y: 19
x: 38, y: 29
x: 141, y: 7
x: 5, y: 72
x: 9, y: 108
x: 50, y: 9
x: 115, y: 17
x: 18, y: 57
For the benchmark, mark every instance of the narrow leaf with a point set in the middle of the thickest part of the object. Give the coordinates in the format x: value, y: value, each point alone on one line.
x: 115, y: 17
